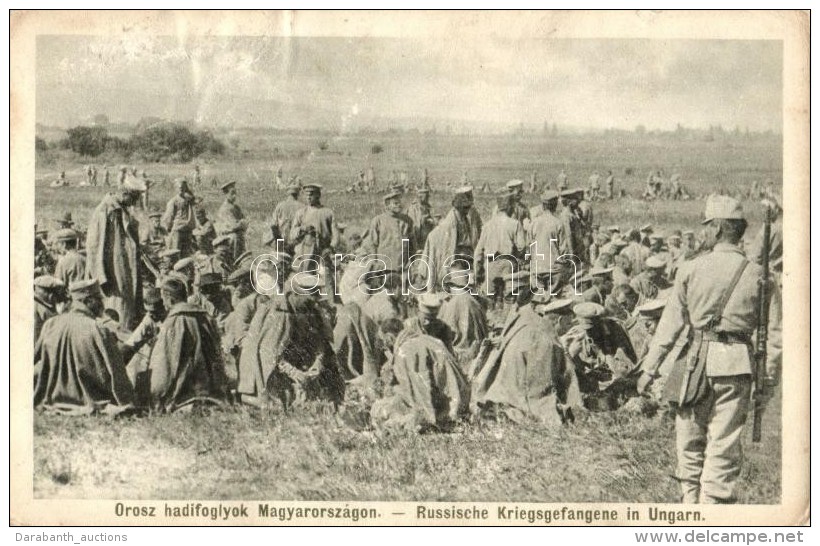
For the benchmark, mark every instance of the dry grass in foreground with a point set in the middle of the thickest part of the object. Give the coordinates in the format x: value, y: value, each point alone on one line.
x: 242, y: 453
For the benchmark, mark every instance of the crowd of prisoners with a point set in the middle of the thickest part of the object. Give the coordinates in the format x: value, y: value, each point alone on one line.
x: 426, y: 317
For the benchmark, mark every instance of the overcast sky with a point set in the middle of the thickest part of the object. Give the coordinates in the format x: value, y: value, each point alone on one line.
x: 583, y: 83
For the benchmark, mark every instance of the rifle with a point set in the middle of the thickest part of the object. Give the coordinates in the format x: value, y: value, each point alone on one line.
x: 150, y: 266
x: 760, y: 383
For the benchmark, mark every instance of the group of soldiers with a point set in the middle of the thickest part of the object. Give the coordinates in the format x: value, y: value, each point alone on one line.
x: 532, y: 313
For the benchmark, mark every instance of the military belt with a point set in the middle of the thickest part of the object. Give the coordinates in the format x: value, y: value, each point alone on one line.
x: 727, y: 337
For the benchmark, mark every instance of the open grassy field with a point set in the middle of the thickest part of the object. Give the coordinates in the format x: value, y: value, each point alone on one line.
x: 243, y: 453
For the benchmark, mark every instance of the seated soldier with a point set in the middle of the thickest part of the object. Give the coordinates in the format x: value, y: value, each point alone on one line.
x: 426, y: 388
x: 385, y: 301
x: 77, y: 365
x: 167, y: 259
x: 603, y: 356
x: 186, y: 367
x: 525, y: 374
x: 651, y: 281
x: 210, y: 296
x: 644, y: 327
x: 239, y: 284
x: 71, y: 264
x: 621, y: 303
x: 222, y: 260
x: 137, y: 346
x: 601, y: 285
x: 559, y: 313
x: 47, y: 291
x: 463, y: 313
x: 268, y: 279
x: 287, y: 353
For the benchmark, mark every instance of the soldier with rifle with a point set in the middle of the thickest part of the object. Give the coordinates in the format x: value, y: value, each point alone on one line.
x: 722, y: 297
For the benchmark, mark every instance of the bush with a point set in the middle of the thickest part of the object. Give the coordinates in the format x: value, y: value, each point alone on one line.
x: 87, y: 141
x: 152, y: 142
x: 174, y: 142
x: 376, y: 149
x: 40, y: 145
x: 323, y: 145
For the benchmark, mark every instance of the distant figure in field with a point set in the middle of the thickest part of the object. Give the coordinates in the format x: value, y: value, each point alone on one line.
x: 562, y: 182
x: 594, y: 185
x: 280, y: 177
x: 533, y: 187
x: 60, y: 182
x: 425, y: 178
x: 609, y: 185
x: 370, y: 178
x: 106, y: 176
x: 649, y: 192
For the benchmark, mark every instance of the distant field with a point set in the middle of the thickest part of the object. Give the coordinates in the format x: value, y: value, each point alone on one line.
x: 245, y: 454
x: 705, y: 167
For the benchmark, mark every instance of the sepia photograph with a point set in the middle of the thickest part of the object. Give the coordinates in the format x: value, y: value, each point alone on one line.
x: 409, y: 268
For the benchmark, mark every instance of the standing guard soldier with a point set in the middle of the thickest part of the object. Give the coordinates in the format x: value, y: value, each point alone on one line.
x: 421, y: 213
x: 315, y: 235
x: 179, y: 219
x: 283, y: 215
x: 231, y: 221
x: 717, y: 297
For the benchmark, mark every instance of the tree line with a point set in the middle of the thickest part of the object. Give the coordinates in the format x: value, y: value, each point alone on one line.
x: 160, y: 142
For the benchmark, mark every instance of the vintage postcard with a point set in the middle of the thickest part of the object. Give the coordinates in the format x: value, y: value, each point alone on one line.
x: 409, y: 268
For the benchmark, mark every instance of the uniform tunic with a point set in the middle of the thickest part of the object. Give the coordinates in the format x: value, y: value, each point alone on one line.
x: 421, y: 215
x: 709, y: 431
x: 502, y: 238
x: 385, y: 238
x: 70, y: 267
x: 637, y: 254
x: 547, y: 231
x: 179, y: 220
x: 231, y: 221
x: 282, y: 218
x: 325, y: 239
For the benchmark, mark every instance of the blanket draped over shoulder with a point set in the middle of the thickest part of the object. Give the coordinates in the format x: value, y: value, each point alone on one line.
x: 357, y: 343
x: 428, y: 387
x: 468, y: 323
x: 186, y: 362
x: 527, y: 375
x: 287, y: 355
x: 114, y: 258
x: 78, y: 367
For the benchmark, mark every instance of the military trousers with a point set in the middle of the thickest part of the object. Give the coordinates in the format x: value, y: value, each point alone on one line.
x: 709, y: 441
x: 182, y: 240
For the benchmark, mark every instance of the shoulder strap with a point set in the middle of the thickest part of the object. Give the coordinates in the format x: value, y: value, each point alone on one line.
x: 728, y: 293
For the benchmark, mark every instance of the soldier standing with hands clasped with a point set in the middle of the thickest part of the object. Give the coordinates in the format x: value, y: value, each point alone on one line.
x: 718, y: 297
